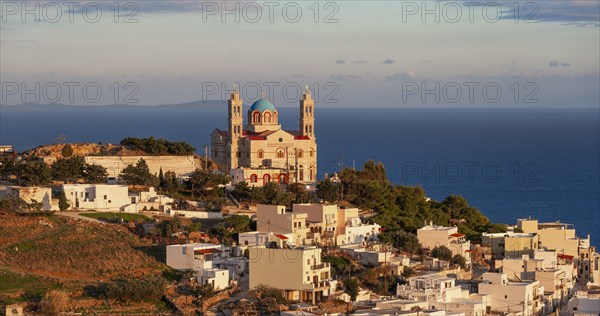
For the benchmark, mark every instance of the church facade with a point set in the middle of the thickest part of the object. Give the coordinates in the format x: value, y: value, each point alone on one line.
x: 262, y: 151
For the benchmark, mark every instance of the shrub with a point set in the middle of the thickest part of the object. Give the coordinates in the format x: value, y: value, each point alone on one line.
x: 54, y: 302
x: 137, y: 290
x: 442, y: 253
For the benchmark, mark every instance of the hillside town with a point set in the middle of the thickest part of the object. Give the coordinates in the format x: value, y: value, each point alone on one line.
x: 247, y: 229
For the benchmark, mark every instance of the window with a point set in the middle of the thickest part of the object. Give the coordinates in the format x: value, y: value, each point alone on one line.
x: 301, y: 173
x: 308, y: 278
x: 312, y: 152
x: 253, y: 178
x: 109, y: 201
x: 260, y: 154
x: 300, y: 153
x: 280, y: 153
x: 256, y: 117
x: 267, y: 117
x: 105, y: 197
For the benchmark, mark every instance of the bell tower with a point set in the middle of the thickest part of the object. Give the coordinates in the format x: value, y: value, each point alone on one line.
x: 234, y: 121
x: 307, y: 117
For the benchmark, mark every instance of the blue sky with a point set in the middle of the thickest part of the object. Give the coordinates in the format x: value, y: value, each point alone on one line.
x: 371, y: 54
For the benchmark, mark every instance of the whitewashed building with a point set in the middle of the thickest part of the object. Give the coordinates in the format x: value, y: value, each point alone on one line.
x: 512, y: 297
x: 202, y: 259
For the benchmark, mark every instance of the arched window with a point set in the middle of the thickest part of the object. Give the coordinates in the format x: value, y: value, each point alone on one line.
x: 280, y: 153
x: 282, y: 179
x: 311, y: 173
x: 300, y: 173
x: 300, y: 153
x: 253, y: 178
x: 260, y: 154
x: 256, y: 117
x: 267, y: 117
x: 266, y: 179
x: 312, y: 152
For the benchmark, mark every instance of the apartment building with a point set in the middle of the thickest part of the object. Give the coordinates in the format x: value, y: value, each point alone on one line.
x: 431, y: 236
x: 298, y: 273
x: 512, y: 297
x: 202, y: 259
x: 275, y: 219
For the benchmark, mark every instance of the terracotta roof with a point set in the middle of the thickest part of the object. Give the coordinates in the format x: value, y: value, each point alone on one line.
x: 563, y: 256
x: 280, y: 236
x: 207, y: 251
x: 256, y: 137
x: 457, y: 235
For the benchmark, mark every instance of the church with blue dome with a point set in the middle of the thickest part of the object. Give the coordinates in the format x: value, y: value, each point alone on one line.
x: 262, y: 151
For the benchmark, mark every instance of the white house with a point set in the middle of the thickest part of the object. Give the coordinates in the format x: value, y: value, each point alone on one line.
x: 508, y: 296
x: 100, y: 197
x: 200, y: 258
x: 113, y: 197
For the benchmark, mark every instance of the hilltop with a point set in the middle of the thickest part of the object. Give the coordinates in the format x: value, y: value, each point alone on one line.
x: 42, y: 253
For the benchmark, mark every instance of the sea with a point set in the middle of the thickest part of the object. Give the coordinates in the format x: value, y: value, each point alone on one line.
x: 510, y: 163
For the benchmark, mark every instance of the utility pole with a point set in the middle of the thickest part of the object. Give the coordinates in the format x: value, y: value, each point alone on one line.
x: 205, y: 157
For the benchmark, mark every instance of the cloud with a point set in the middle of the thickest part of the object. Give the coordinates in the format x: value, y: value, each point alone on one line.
x: 402, y: 76
x: 555, y: 63
x: 388, y: 61
x: 572, y: 12
x: 340, y: 61
x: 340, y: 77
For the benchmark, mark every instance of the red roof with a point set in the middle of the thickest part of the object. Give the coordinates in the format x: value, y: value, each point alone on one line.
x: 281, y: 236
x: 563, y: 256
x: 207, y: 251
x: 457, y: 235
x: 256, y: 137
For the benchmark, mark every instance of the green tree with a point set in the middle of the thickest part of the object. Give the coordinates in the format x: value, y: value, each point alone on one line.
x: 207, y: 183
x: 63, y: 203
x: 139, y: 174
x: 328, y: 191
x: 407, y: 272
x: 93, y: 173
x: 68, y: 169
x: 459, y: 260
x: 406, y: 242
x: 442, y: 253
x: 276, y: 194
x: 171, y: 226
x: 32, y: 172
x: 299, y: 194
x: 238, y: 223
x: 7, y: 166
x: 351, y: 287
x: 242, y: 191
x: 171, y: 183
x: 161, y: 179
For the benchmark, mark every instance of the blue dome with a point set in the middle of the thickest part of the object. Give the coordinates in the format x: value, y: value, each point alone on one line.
x: 262, y: 105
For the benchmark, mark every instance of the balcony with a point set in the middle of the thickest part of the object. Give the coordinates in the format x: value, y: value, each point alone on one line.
x: 319, y: 266
x: 321, y: 285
